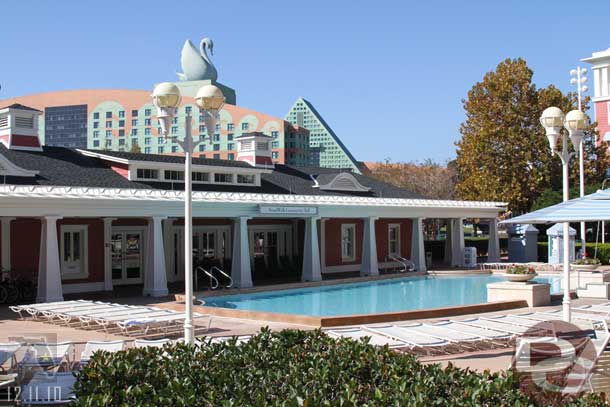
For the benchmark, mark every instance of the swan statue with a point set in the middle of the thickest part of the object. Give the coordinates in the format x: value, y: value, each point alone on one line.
x: 196, y: 64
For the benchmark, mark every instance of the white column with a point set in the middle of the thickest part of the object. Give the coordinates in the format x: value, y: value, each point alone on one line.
x: 108, y: 253
x: 493, y: 249
x: 311, y: 254
x: 49, y: 270
x: 457, y: 242
x: 168, y: 244
x: 369, y: 266
x: 448, y: 245
x: 241, y: 272
x: 155, y: 276
x: 323, y: 244
x: 418, y: 252
x: 5, y: 225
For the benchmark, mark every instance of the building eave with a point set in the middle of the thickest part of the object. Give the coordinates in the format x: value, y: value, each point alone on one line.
x: 82, y: 193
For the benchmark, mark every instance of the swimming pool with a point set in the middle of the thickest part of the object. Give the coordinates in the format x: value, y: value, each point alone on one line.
x: 371, y: 297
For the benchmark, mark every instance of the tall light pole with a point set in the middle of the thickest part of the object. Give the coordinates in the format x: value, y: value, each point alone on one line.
x: 166, y: 98
x: 575, y: 121
x: 579, y: 79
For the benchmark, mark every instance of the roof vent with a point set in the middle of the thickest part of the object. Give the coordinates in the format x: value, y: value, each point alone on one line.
x: 255, y: 149
x: 19, y: 127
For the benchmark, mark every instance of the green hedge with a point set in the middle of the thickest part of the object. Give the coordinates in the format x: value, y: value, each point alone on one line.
x: 603, y: 251
x: 289, y: 368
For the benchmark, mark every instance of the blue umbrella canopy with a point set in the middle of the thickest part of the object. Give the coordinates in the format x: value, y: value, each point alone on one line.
x: 590, y: 208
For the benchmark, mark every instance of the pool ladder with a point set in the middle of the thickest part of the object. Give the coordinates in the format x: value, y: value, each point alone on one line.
x: 405, y: 265
x: 214, y: 283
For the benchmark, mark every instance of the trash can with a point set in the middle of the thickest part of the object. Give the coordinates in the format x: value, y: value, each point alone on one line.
x: 522, y: 244
x: 470, y: 257
x: 555, y: 239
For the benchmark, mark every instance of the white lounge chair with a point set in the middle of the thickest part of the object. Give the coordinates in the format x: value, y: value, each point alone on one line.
x: 563, y: 356
x: 164, y: 325
x: 150, y: 343
x: 490, y: 335
x: 35, y: 309
x: 239, y: 339
x: 595, y: 308
x: 514, y: 330
x: 374, y: 338
x: 460, y: 338
x: 73, y: 311
x: 100, y: 346
x: 416, y: 341
x: 48, y: 389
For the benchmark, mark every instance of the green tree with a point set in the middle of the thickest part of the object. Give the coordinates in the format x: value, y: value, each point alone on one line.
x: 503, y: 154
x: 428, y: 178
x: 135, y: 148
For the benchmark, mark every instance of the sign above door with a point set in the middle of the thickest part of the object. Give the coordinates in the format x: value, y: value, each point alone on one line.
x: 288, y: 210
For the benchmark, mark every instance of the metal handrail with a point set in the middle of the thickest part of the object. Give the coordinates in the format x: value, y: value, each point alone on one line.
x: 214, y: 284
x: 407, y: 265
x: 222, y: 273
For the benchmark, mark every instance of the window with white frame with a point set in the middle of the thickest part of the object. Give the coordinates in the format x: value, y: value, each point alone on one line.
x: 74, y: 256
x: 348, y: 242
x: 246, y: 179
x: 223, y: 178
x: 147, y: 173
x: 174, y: 175
x: 394, y: 239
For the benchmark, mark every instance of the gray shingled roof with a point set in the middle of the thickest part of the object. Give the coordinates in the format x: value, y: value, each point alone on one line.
x: 20, y: 106
x: 170, y: 158
x: 61, y: 166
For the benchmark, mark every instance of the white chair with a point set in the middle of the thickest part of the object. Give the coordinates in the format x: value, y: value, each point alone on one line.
x: 491, y: 336
x: 494, y: 326
x: 238, y: 339
x: 150, y: 343
x: 94, y: 346
x: 461, y: 339
x: 416, y: 341
x: 374, y: 338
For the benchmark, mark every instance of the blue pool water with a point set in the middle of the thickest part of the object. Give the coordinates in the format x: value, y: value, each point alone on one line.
x: 409, y: 293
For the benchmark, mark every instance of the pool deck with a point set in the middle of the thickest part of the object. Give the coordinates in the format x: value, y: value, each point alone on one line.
x: 494, y: 360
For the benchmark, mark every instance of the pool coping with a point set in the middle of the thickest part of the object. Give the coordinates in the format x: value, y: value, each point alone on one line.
x: 357, y: 319
x: 303, y: 284
x: 344, y: 320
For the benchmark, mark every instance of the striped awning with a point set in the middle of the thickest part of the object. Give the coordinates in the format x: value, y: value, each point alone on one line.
x: 590, y: 208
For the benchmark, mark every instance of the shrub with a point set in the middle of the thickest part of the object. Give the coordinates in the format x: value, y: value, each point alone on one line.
x: 520, y: 269
x: 288, y: 368
x: 587, y: 261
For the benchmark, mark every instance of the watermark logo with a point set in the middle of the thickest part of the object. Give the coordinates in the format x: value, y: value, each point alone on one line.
x: 558, y: 358
x: 43, y: 370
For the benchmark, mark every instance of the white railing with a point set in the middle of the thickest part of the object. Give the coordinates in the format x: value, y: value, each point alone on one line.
x: 222, y: 273
x: 214, y: 284
x: 405, y: 264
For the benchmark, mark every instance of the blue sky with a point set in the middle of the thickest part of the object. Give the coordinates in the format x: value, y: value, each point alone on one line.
x: 389, y: 76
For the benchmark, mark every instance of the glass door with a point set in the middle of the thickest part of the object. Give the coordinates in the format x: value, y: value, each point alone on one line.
x: 127, y: 257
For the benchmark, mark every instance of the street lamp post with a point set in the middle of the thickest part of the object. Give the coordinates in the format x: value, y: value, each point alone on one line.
x: 575, y: 121
x: 166, y: 98
x: 579, y: 79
